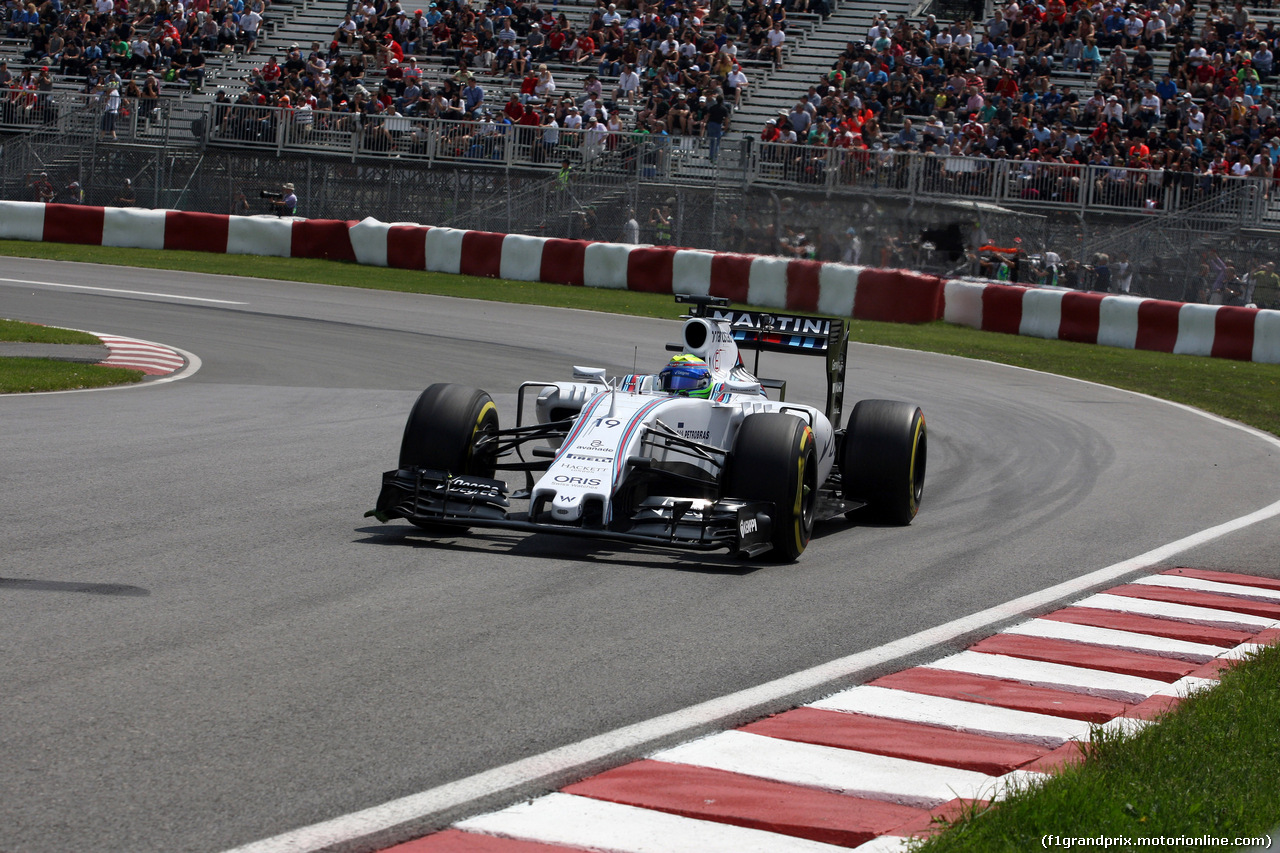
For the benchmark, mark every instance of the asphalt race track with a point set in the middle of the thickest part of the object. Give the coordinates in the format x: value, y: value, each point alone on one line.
x: 206, y: 644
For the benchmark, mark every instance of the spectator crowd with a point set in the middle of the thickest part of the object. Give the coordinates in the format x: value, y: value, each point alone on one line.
x: 1159, y: 95
x: 665, y: 69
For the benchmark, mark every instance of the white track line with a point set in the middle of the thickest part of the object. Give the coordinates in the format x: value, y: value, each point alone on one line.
x: 558, y: 766
x: 118, y: 291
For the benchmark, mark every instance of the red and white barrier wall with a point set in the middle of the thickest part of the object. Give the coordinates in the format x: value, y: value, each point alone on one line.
x: 1246, y: 334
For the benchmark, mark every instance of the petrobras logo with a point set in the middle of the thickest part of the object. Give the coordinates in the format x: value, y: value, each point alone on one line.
x: 693, y: 434
x: 747, y: 526
x: 588, y: 482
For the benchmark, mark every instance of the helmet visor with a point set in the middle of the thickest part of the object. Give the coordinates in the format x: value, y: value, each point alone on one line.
x: 675, y: 379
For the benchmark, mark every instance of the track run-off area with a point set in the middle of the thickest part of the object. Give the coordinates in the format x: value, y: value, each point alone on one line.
x: 209, y: 646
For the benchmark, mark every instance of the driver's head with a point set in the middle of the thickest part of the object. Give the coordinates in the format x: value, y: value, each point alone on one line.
x: 686, y: 375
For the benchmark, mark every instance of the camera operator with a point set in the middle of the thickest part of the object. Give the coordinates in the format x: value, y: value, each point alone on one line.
x: 283, y: 203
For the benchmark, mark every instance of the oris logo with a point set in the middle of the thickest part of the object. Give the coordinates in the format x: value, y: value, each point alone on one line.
x: 747, y: 525
x: 577, y: 481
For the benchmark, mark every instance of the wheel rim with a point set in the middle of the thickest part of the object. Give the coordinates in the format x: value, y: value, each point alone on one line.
x: 809, y: 496
x: 919, y: 459
x: 482, y: 462
x: 806, y: 491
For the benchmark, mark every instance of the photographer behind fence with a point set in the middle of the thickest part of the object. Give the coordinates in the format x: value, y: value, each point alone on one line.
x: 282, y: 203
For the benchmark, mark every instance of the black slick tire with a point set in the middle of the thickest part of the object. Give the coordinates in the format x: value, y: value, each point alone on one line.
x: 883, y: 460
x: 774, y: 460
x: 443, y: 428
x: 442, y: 431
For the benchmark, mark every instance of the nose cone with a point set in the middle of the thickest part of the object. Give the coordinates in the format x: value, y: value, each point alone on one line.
x: 567, y: 507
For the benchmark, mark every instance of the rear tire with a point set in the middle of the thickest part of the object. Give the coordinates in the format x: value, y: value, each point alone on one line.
x: 774, y: 460
x: 441, y: 433
x: 885, y: 453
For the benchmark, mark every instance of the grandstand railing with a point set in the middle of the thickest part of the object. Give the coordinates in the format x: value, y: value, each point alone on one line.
x: 435, y: 141
x: 647, y: 157
x: 1018, y: 182
x: 678, y: 159
x: 75, y: 114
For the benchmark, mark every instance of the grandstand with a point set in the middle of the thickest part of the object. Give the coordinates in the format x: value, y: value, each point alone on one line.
x: 210, y: 143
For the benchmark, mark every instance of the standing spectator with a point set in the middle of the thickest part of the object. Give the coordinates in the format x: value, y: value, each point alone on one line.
x: 550, y: 137
x: 853, y: 248
x: 249, y: 23
x: 71, y: 194
x: 1266, y: 286
x: 631, y: 229
x: 41, y: 188
x: 1101, y: 274
x: 126, y: 197
x: 1122, y: 273
x: 111, y: 109
x: 287, y: 204
x: 718, y: 115
x: 660, y: 221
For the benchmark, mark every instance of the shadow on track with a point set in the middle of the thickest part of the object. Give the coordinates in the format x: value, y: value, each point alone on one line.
x: 32, y: 585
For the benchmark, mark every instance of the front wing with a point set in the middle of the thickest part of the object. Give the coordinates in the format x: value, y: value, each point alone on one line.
x: 426, y: 496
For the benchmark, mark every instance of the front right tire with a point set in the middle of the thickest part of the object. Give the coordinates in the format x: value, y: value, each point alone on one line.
x: 774, y: 460
x: 445, y: 431
x: 444, y: 427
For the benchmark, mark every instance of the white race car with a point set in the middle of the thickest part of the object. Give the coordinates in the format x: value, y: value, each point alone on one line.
x: 697, y: 456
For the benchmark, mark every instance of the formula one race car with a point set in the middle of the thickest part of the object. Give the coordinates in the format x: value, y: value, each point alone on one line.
x: 694, y: 457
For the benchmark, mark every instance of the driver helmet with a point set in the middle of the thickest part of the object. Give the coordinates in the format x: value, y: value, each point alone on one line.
x: 686, y: 375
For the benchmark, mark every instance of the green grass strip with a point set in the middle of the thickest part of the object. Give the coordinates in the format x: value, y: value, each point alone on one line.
x: 32, y: 333
x: 354, y: 275
x: 26, y: 375
x: 1206, y: 772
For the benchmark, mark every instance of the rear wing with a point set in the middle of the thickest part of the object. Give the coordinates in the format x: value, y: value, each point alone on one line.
x: 762, y: 331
